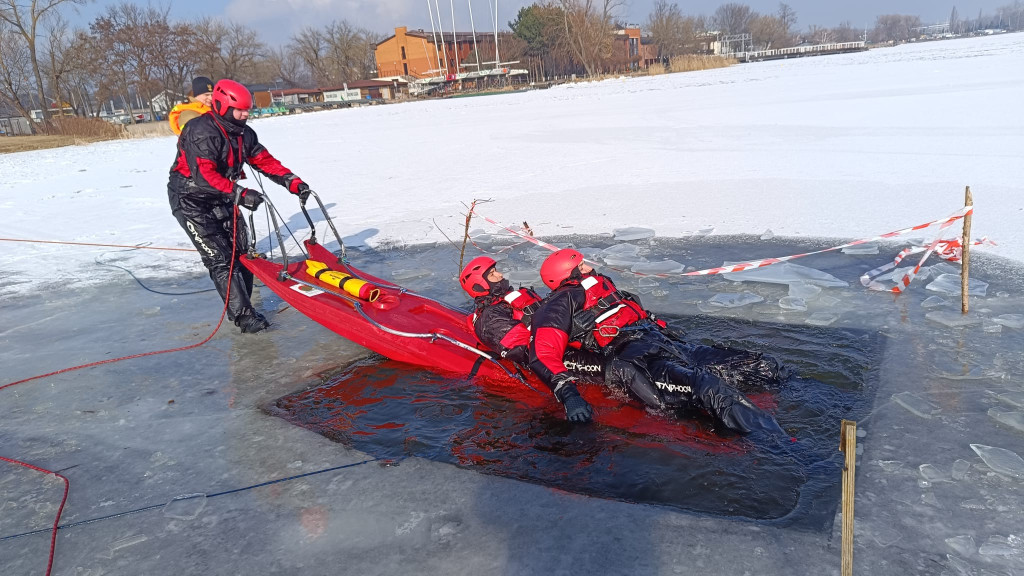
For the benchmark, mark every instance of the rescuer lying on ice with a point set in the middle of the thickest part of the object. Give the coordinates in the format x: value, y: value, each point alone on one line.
x: 202, y: 190
x: 643, y: 357
x: 501, y: 319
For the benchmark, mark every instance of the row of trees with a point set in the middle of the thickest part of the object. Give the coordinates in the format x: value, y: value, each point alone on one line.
x: 133, y: 53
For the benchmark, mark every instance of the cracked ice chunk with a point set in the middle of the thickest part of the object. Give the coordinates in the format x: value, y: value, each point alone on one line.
x: 934, y: 301
x: 1008, y: 417
x: 803, y: 290
x: 960, y: 469
x: 866, y: 248
x: 952, y: 319
x: 525, y: 277
x: 950, y: 284
x: 1001, y: 460
x: 931, y: 473
x: 621, y: 250
x: 943, y: 268
x: 827, y: 301
x: 1013, y: 398
x: 730, y: 300
x: 632, y: 233
x: 919, y: 406
x: 663, y: 267
x: 768, y: 234
x: 1002, y: 546
x: 791, y: 303
x: 1010, y: 320
x: 786, y: 273
x: 185, y: 507
x: 412, y: 274
x: 821, y: 319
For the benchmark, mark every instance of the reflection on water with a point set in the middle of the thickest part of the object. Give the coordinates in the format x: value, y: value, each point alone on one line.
x: 388, y: 409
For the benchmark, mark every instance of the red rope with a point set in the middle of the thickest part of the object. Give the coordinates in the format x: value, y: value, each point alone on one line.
x: 56, y: 521
x: 227, y: 298
x: 91, y: 244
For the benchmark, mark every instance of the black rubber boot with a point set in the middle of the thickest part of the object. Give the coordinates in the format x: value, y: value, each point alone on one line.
x: 251, y: 321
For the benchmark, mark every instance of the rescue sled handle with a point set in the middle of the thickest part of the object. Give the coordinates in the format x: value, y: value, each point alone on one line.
x: 330, y: 223
x: 358, y: 305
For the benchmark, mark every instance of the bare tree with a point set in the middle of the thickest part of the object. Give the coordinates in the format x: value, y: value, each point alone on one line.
x: 788, y: 17
x: 768, y: 32
x: 895, y: 28
x: 733, y: 18
x: 587, y: 25
x: 229, y: 50
x: 15, y: 68
x: 24, y: 18
x: 673, y: 32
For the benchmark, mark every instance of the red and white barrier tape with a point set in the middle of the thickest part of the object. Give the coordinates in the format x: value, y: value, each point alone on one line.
x: 950, y: 250
x: 945, y: 247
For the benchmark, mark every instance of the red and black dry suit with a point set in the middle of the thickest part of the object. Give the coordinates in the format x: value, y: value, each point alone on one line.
x: 502, y: 323
x: 643, y: 357
x: 211, y: 153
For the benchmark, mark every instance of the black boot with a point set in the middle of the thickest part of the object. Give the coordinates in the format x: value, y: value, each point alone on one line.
x: 251, y: 321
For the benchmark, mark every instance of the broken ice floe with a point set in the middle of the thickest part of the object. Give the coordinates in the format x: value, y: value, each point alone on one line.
x: 768, y: 234
x: 952, y: 319
x: 1015, y: 321
x: 1001, y: 460
x: 890, y: 466
x: 1011, y: 545
x: 792, y: 303
x: 950, y: 284
x: 1012, y: 398
x: 960, y: 469
x: 932, y: 474
x: 526, y: 277
x: 963, y: 545
x: 821, y: 319
x: 124, y: 543
x: 827, y: 301
x: 403, y: 274
x: 632, y: 233
x: 733, y: 300
x: 785, y: 273
x: 186, y: 506
x: 803, y: 290
x: 866, y: 248
x: 934, y: 302
x: 1011, y: 418
x: 662, y: 267
x: 915, y: 405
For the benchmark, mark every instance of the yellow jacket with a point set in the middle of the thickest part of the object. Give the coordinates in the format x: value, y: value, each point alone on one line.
x: 182, y: 113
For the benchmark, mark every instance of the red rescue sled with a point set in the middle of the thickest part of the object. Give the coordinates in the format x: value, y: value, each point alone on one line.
x: 408, y: 327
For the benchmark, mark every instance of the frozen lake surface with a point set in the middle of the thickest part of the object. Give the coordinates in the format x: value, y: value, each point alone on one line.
x: 139, y: 433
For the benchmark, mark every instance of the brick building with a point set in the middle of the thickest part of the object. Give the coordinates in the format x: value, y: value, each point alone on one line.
x: 414, y: 53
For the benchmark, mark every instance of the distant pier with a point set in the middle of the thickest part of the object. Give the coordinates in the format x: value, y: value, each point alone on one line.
x: 801, y: 51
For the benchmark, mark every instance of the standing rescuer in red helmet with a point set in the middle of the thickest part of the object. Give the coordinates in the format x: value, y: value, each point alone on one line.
x: 586, y: 311
x: 212, y: 149
x: 501, y: 319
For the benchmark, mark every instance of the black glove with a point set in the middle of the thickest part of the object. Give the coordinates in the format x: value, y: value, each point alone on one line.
x: 251, y: 199
x: 298, y: 187
x: 576, y: 408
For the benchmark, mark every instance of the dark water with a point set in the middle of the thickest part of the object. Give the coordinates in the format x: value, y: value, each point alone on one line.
x: 390, y: 410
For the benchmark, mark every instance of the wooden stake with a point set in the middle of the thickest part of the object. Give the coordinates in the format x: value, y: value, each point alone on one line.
x: 848, y: 445
x: 465, y: 234
x: 965, y: 261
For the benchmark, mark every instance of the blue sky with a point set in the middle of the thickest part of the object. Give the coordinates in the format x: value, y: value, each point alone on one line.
x: 277, y: 20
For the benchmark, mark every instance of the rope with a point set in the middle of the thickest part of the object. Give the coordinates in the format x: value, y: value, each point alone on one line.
x: 227, y: 298
x: 92, y: 244
x: 60, y: 510
x: 134, y: 277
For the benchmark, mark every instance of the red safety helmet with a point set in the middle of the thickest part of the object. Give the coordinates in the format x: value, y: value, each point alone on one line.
x: 474, y: 276
x: 559, y: 266
x: 229, y: 94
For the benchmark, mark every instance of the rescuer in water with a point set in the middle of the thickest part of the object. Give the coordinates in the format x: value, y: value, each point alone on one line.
x: 586, y: 311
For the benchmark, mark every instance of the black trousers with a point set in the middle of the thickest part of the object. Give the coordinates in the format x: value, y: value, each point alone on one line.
x: 209, y: 228
x: 666, y: 372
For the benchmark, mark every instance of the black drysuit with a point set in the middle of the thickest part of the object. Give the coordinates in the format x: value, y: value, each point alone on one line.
x: 647, y: 360
x: 201, y: 187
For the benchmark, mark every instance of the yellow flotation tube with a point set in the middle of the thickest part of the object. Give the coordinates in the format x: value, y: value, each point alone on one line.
x: 359, y: 288
x: 182, y: 113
